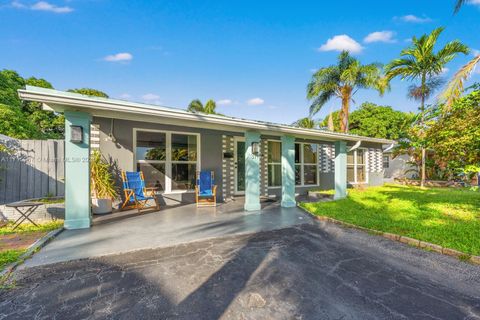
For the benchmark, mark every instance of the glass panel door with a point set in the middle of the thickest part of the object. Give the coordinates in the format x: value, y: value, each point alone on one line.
x: 239, y: 167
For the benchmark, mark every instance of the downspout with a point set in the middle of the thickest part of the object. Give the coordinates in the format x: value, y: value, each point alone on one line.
x: 390, y: 147
x: 355, y: 146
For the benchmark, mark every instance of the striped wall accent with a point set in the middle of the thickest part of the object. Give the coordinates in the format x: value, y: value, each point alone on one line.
x: 94, y: 137
x: 375, y: 160
x: 228, y: 168
x: 326, y: 158
x: 264, y: 167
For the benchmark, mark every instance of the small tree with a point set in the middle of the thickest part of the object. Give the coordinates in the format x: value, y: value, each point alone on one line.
x: 419, y: 62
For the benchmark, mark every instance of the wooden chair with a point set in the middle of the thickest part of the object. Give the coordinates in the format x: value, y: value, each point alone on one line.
x: 206, y: 190
x: 136, y: 194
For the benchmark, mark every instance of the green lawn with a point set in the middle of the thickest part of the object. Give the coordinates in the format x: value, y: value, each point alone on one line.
x: 13, y: 243
x: 9, y: 256
x: 444, y: 216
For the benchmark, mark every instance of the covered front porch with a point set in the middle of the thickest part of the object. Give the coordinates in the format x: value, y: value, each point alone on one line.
x: 128, y: 231
x: 175, y: 144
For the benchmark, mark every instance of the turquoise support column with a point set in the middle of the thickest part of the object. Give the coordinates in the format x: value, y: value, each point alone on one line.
x: 340, y: 170
x: 288, y: 172
x: 252, y: 173
x: 77, y: 172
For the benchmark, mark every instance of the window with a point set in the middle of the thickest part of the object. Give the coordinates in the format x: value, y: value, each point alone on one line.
x: 151, y: 158
x: 274, y: 163
x: 386, y: 161
x: 356, y: 166
x: 169, y: 161
x: 306, y: 168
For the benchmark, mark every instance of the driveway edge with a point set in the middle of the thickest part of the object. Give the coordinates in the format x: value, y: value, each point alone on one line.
x: 34, y: 247
x: 403, y: 239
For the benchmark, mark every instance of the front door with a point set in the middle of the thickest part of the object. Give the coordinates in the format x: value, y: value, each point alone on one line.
x: 239, y: 165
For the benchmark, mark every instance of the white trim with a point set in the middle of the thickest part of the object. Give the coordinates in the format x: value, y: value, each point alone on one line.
x: 302, y: 164
x: 355, y: 165
x: 168, y: 155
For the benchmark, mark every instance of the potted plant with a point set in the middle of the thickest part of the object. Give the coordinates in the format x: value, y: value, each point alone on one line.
x: 102, y: 185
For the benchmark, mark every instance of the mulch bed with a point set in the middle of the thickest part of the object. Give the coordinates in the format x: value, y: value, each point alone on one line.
x: 19, y: 241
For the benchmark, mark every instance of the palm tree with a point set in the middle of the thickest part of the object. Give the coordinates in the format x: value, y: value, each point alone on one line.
x: 420, y: 62
x: 343, y: 80
x: 210, y: 107
x: 197, y: 106
x: 455, y: 87
x: 307, y: 123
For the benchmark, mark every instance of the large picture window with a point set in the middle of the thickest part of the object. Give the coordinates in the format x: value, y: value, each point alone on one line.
x: 356, y: 166
x: 168, y: 160
x: 274, y: 163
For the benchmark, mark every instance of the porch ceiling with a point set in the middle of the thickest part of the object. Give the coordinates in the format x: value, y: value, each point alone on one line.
x: 60, y: 101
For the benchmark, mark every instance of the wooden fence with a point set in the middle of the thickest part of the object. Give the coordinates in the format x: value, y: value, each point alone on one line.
x: 31, y: 169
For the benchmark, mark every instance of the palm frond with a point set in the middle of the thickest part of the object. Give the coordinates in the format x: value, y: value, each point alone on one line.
x: 459, y: 5
x: 320, y: 101
x: 455, y: 86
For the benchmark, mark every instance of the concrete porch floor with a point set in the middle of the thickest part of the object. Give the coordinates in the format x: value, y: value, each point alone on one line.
x: 129, y: 231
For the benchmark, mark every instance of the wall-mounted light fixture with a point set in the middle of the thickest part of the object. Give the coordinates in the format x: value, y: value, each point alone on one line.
x: 255, y: 148
x: 76, y: 134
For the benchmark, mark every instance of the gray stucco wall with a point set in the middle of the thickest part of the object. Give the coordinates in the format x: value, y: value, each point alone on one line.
x: 213, y: 143
x: 120, y: 151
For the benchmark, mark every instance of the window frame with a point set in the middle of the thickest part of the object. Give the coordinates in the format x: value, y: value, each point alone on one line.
x: 274, y: 164
x: 168, y: 161
x: 355, y: 166
x: 301, y: 164
x: 387, y: 162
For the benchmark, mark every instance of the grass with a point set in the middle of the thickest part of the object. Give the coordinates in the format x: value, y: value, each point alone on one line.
x: 444, y: 216
x: 28, y: 227
x: 9, y: 256
x: 28, y: 233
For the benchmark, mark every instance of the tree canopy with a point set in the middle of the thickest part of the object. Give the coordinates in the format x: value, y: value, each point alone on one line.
x: 375, y: 121
x: 26, y: 119
x: 455, y: 136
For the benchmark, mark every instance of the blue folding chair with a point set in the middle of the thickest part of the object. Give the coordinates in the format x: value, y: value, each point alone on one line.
x: 206, y: 190
x: 136, y: 194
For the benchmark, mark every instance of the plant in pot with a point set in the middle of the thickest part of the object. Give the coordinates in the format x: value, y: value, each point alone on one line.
x: 102, y: 185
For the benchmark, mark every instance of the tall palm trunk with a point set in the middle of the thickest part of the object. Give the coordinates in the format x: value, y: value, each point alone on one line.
x: 422, y: 120
x: 346, y: 93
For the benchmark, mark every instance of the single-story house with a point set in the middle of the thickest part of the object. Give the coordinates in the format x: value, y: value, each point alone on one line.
x: 249, y: 158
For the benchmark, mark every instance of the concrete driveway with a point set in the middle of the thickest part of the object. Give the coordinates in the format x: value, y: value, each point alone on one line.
x: 128, y: 231
x: 304, y: 272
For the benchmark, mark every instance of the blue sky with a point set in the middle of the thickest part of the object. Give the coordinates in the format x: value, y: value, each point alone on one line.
x: 254, y: 58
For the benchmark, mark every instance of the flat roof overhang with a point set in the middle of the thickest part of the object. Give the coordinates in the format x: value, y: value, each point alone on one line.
x: 60, y: 101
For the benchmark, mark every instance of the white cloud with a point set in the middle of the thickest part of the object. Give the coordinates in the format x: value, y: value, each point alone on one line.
x: 340, y: 43
x: 255, y: 102
x: 224, y: 102
x: 151, y: 98
x: 380, y: 36
x: 45, y: 6
x: 119, y: 57
x: 445, y: 70
x: 414, y: 19
x: 313, y: 70
x: 41, y: 6
x: 125, y: 96
x: 474, y: 2
x: 475, y: 52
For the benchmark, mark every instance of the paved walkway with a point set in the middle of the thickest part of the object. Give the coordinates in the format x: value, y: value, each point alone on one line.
x: 302, y: 272
x: 167, y: 227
